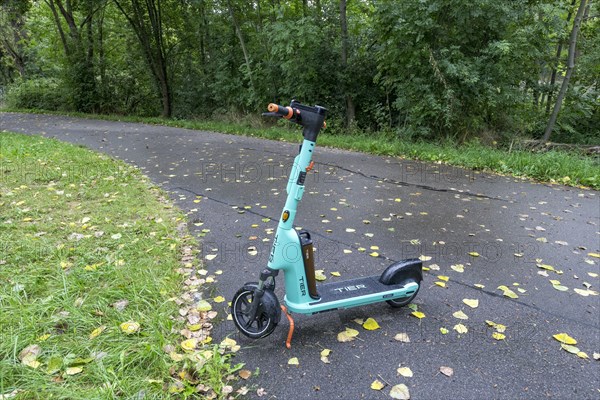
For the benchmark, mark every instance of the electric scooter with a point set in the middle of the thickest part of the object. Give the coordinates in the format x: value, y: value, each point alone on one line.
x: 255, y: 309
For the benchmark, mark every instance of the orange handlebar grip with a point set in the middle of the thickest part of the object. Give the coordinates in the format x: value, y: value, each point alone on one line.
x: 272, y: 107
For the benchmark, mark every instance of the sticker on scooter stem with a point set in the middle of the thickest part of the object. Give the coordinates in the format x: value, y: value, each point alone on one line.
x: 286, y: 216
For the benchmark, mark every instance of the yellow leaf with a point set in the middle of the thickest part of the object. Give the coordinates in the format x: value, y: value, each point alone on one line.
x: 595, y: 255
x: 418, y: 314
x: 370, y: 324
x: 546, y: 267
x: 560, y: 288
x: 400, y: 392
x: 443, y: 278
x: 96, y: 332
x: 374, y: 254
x: 73, y: 370
x: 583, y: 355
x: 377, y: 385
x: 479, y: 285
x: 424, y: 258
x: 324, y: 356
x: 189, y: 344
x: 219, y: 299
x: 564, y: 338
x: 203, y: 306
x: 374, y: 247
x: 441, y: 284
x: 320, y: 275
x: 473, y: 303
x: 443, y: 330
x: 405, y: 372
x: 227, y: 342
x: 498, y: 336
x: 130, y: 327
x: 474, y: 254
x: 460, y: 315
x: 335, y: 273
x: 347, y: 336
x: 397, y: 200
x: 569, y: 348
x: 458, y: 267
x: 293, y: 361
x: 460, y: 328
x: 211, y: 257
x: 43, y: 338
x: 346, y: 251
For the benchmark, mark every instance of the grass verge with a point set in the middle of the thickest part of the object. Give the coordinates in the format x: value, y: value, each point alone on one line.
x: 86, y: 245
x: 554, y: 166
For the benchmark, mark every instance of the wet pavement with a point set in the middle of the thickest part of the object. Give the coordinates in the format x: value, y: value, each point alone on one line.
x: 525, y: 234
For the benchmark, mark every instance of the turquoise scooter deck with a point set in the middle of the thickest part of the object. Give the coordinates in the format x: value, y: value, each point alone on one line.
x: 365, y: 290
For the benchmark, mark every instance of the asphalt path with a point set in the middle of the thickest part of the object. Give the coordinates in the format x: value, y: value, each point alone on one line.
x: 229, y: 186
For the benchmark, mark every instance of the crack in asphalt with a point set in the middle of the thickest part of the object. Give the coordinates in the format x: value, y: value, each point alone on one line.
x: 389, y: 180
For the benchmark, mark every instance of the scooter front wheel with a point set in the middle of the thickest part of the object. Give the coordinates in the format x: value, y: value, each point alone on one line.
x: 267, y: 315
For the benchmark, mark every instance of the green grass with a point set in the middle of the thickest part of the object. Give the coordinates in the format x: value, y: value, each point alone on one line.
x: 556, y: 166
x: 78, y: 233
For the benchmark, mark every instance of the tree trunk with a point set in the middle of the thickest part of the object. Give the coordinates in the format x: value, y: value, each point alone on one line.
x: 146, y: 21
x: 238, y: 32
x: 350, y: 107
x: 570, y: 68
x: 558, y: 52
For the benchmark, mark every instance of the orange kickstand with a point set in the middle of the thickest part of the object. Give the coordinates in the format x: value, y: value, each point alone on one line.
x: 288, y: 342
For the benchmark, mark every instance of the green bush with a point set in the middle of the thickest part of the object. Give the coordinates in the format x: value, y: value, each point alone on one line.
x: 39, y: 93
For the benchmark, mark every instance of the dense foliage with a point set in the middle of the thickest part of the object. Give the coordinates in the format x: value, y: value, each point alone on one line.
x: 435, y: 69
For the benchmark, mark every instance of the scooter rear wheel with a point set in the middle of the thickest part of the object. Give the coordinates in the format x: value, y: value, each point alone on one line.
x: 401, y: 302
x: 267, y: 315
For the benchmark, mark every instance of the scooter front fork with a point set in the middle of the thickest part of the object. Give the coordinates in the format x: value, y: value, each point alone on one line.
x: 266, y: 282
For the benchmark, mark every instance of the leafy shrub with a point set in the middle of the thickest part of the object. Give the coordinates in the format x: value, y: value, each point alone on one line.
x: 38, y: 93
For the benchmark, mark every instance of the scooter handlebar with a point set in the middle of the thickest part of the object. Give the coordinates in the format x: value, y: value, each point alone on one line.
x: 283, y: 111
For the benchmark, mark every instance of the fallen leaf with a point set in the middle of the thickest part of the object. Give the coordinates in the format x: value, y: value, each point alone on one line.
x: 73, y: 370
x: 473, y: 303
x: 370, y: 324
x: 402, y: 337
x: 498, y: 336
x: 479, y: 285
x: 596, y: 356
x: 293, y: 361
x: 374, y: 254
x: 443, y: 278
x: 564, y: 338
x: 350, y: 230
x: 560, y: 288
x: 444, y: 331
x: 245, y: 374
x: 460, y: 315
x: 460, y: 328
x: 595, y: 255
x: 203, y: 306
x: 320, y: 275
x: 424, y: 258
x: 474, y: 254
x: 96, y: 332
x: 211, y: 257
x: 447, y: 371
x: 570, y: 348
x: 219, y: 299
x: 54, y: 365
x: 583, y: 355
x: 405, y: 372
x: 347, y: 336
x: 189, y: 344
x: 29, y: 355
x: 130, y: 327
x: 458, y: 267
x: 335, y: 273
x: 377, y: 385
x: 418, y: 314
x: 440, y: 284
x: 400, y: 392
x: 325, y: 355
